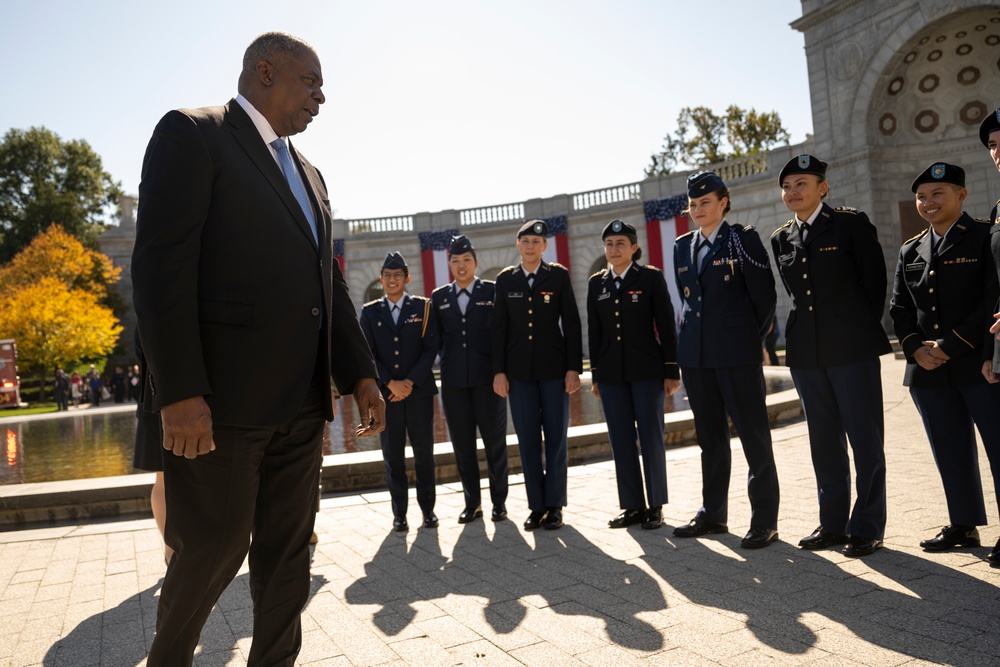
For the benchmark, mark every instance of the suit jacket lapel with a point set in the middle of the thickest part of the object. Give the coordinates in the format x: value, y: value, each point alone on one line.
x: 542, y: 274
x: 819, y: 225
x: 630, y: 277
x: 954, y: 236
x: 924, y: 247
x: 715, y: 248
x: 385, y: 313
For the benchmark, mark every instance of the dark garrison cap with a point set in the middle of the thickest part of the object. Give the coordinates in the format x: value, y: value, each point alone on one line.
x: 703, y: 183
x: 535, y: 228
x: 990, y: 124
x: 394, y: 260
x: 619, y: 228
x: 460, y: 245
x: 940, y: 172
x: 803, y: 164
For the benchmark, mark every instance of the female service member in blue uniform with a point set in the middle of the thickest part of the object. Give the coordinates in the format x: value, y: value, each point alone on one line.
x: 725, y: 280
x: 633, y: 359
x: 832, y: 265
x: 943, y: 296
x: 537, y: 360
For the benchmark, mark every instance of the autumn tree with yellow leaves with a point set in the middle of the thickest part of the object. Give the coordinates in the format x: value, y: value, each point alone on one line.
x: 54, y: 298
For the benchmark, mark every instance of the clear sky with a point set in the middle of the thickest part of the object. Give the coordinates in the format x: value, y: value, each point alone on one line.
x: 431, y: 104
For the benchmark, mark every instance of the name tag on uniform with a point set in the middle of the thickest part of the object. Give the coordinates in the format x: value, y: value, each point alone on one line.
x: 682, y: 269
x: 515, y: 295
x: 444, y: 305
x: 915, y: 266
x: 604, y: 295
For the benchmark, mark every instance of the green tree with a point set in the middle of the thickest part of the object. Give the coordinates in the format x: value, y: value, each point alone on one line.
x: 44, y: 179
x: 703, y: 138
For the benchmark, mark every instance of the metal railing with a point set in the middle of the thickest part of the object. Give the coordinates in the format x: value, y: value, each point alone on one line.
x: 499, y: 213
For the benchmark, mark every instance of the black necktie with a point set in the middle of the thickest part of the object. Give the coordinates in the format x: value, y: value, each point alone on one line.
x: 935, y: 248
x: 531, y: 281
x: 804, y: 230
x: 464, y: 291
x: 395, y: 314
x: 704, y: 243
x: 618, y: 283
x: 463, y: 304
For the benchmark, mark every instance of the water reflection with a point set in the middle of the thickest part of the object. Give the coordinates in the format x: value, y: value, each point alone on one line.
x: 100, y: 445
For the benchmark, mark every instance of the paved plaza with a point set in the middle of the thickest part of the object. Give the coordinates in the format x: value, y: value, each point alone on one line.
x: 492, y: 594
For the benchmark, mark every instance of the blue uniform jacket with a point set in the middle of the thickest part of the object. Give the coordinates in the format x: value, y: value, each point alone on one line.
x: 405, y: 350
x: 729, y: 305
x: 465, y: 341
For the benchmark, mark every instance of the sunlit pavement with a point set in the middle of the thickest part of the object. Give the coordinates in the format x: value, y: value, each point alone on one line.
x: 488, y: 593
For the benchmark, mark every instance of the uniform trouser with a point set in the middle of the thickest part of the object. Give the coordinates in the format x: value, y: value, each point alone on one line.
x: 257, y: 482
x: 413, y: 416
x: 537, y: 407
x: 634, y: 413
x: 738, y: 392
x: 844, y: 403
x: 465, y: 408
x: 948, y: 414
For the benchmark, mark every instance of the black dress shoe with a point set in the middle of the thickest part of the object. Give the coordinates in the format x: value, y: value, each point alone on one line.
x: 758, y: 538
x: 468, y: 515
x: 499, y: 513
x: 994, y: 556
x: 699, y: 526
x: 653, y: 518
x: 822, y: 538
x: 627, y: 518
x: 952, y: 536
x: 553, y: 519
x: 430, y: 520
x: 399, y: 523
x: 859, y: 547
x: 534, y: 520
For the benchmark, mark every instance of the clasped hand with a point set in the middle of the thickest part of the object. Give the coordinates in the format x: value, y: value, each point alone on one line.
x: 929, y: 356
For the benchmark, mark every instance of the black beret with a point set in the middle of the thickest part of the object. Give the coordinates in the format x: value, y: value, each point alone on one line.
x: 460, y: 245
x: 990, y: 124
x: 619, y: 228
x: 535, y: 228
x: 940, y: 172
x: 703, y: 183
x: 394, y: 260
x: 803, y: 164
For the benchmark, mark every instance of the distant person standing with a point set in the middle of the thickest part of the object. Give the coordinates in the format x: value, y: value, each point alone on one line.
x: 537, y: 361
x: 402, y: 334
x: 727, y: 287
x: 464, y: 309
x: 61, y: 390
x: 633, y: 362
x: 832, y: 265
x: 96, y: 386
x: 118, y: 385
x: 944, y: 292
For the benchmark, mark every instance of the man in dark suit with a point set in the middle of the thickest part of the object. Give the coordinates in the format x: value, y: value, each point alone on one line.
x: 464, y: 309
x: 537, y: 361
x: 234, y: 282
x: 832, y: 265
x: 728, y: 293
x: 989, y: 134
x: 943, y: 295
x: 402, y: 333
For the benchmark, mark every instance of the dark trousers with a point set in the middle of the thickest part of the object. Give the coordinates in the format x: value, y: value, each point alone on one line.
x: 844, y: 403
x: 948, y: 415
x: 738, y: 392
x: 413, y: 417
x: 634, y: 413
x: 259, y: 482
x: 537, y: 407
x: 465, y: 408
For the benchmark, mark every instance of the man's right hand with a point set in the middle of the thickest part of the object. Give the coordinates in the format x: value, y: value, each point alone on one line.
x: 501, y: 387
x: 187, y: 427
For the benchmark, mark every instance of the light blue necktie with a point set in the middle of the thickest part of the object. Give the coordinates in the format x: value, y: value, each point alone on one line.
x: 295, y: 183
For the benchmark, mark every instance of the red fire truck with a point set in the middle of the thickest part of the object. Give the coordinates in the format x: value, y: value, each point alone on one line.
x: 10, y: 383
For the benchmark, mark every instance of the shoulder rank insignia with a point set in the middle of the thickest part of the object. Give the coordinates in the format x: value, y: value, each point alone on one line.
x: 784, y: 226
x: 846, y: 209
x: 918, y: 236
x: 686, y: 234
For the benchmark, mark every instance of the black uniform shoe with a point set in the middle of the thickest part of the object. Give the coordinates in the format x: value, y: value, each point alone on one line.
x: 994, y: 556
x: 653, y: 518
x: 499, y: 513
x: 699, y: 526
x: 469, y: 515
x: 952, y: 536
x: 627, y: 518
x: 758, y: 538
x: 553, y: 519
x: 430, y: 520
x: 859, y: 547
x: 399, y: 523
x: 534, y: 520
x: 822, y: 538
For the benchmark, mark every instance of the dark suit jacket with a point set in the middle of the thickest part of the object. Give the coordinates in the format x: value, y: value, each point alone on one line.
x: 465, y: 341
x: 950, y: 300
x: 528, y: 341
x: 729, y: 305
x: 234, y: 300
x: 404, y: 350
x: 632, y: 334
x: 837, y: 281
